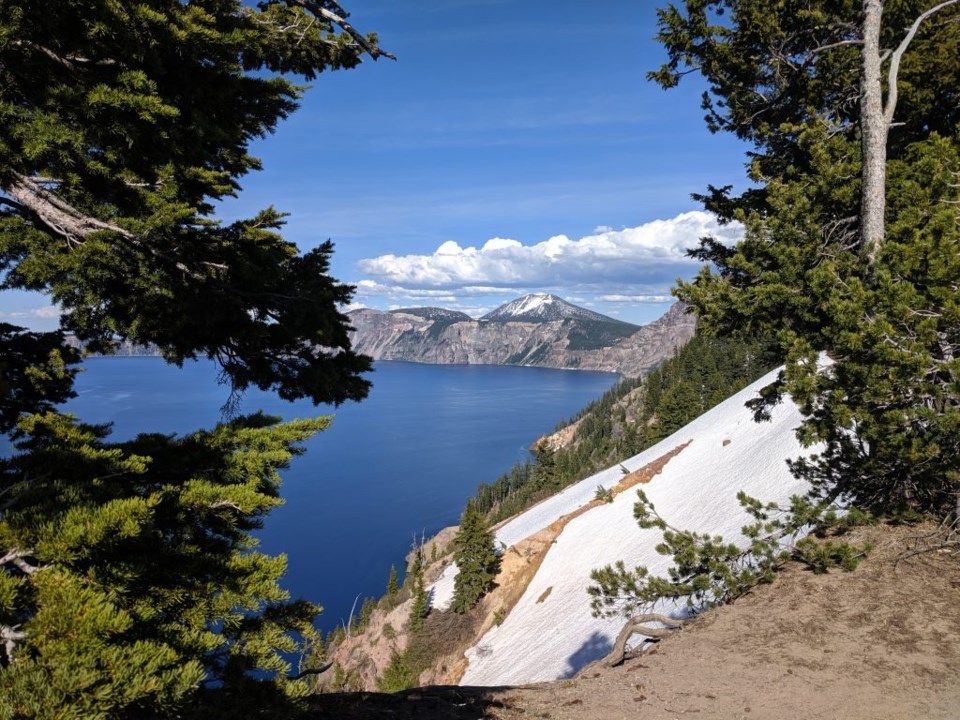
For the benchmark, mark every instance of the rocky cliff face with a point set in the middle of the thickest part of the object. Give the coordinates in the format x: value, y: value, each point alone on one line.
x: 585, y: 342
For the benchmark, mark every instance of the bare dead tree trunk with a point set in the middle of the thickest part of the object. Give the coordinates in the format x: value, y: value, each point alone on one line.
x: 874, y: 131
x: 635, y: 626
x: 876, y: 119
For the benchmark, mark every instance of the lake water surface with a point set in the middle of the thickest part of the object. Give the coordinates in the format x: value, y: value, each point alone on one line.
x: 401, y: 462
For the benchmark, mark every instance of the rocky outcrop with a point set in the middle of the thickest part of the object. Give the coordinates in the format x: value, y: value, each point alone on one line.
x: 578, y: 342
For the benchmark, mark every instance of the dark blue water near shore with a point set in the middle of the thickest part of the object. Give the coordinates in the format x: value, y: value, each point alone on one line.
x: 403, y: 461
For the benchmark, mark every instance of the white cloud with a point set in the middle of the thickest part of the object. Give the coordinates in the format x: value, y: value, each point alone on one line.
x: 651, y: 253
x: 47, y: 312
x: 372, y: 289
x: 636, y: 298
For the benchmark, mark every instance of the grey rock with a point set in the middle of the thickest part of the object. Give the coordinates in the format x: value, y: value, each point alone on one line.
x: 577, y: 340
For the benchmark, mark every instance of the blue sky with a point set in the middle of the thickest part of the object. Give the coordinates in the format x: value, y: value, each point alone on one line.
x: 515, y: 146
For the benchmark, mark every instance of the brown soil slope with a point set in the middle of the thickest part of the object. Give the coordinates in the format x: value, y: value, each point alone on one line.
x: 880, y: 643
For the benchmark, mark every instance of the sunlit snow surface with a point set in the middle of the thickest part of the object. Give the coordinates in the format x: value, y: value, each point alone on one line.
x: 696, y: 490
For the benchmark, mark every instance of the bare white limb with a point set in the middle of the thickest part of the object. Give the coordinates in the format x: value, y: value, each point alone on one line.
x: 330, y: 10
x: 898, y: 55
x: 226, y: 504
x: 10, y: 636
x: 54, y: 212
x: 16, y: 557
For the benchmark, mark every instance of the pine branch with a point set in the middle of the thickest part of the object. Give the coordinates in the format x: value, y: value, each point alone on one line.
x: 332, y: 11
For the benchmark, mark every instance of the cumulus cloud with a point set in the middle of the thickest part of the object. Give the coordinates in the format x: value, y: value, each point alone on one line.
x: 651, y: 253
x: 47, y: 312
x: 644, y: 298
x: 372, y: 288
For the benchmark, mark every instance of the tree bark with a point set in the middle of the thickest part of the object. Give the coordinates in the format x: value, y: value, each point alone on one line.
x: 874, y: 131
x: 635, y: 626
x: 876, y: 119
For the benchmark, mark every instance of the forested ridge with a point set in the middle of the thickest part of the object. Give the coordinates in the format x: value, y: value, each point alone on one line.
x: 630, y: 417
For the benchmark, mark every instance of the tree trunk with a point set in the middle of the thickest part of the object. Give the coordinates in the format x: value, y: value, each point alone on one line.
x: 635, y: 626
x: 874, y: 131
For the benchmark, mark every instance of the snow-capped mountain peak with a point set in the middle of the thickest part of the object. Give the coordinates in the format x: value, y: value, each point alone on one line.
x: 542, y: 307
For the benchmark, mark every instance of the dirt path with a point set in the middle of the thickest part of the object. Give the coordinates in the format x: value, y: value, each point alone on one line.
x: 881, y: 643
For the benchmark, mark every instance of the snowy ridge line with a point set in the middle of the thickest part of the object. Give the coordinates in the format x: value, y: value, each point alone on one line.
x: 440, y: 593
x: 550, y: 633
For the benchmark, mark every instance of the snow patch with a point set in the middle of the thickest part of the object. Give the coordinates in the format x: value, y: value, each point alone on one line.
x: 697, y: 489
x: 531, y: 304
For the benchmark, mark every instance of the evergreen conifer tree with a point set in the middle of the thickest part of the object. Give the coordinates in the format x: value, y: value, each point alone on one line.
x: 393, y: 585
x: 420, y: 607
x: 851, y: 256
x: 130, y: 585
x: 476, y: 559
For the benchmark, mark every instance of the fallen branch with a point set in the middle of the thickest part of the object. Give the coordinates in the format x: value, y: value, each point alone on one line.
x: 635, y: 626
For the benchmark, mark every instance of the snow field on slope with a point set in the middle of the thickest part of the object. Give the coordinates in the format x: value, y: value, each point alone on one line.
x: 556, y: 637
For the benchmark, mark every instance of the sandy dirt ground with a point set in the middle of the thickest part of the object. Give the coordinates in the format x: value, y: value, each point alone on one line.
x: 881, y: 643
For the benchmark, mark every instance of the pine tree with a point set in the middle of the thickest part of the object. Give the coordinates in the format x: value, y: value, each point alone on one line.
x: 133, y: 577
x: 852, y: 245
x: 398, y: 675
x: 392, y: 583
x: 130, y: 585
x: 366, y: 612
x: 420, y: 607
x: 122, y: 127
x: 476, y: 559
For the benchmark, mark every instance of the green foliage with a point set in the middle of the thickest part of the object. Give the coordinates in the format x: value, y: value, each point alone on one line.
x: 393, y: 586
x: 130, y: 584
x: 420, y: 607
x: 774, y: 66
x: 631, y: 417
x: 594, y: 335
x: 476, y: 558
x: 708, y: 570
x: 121, y: 127
x: 139, y: 579
x: 604, y: 494
x: 35, y: 373
x: 366, y: 612
x: 784, y: 77
x: 399, y: 675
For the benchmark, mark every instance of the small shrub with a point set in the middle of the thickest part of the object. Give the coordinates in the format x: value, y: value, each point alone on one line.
x: 604, y: 494
x: 399, y: 675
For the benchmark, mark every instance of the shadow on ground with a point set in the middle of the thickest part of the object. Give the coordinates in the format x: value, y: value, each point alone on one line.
x: 428, y: 703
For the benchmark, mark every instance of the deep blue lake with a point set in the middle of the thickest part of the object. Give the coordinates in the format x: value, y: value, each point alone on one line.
x: 400, y: 463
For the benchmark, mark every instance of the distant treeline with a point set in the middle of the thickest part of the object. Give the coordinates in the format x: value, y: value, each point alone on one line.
x: 630, y: 417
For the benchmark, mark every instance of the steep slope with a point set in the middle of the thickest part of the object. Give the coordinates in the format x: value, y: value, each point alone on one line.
x: 539, y: 333
x: 549, y: 633
x: 880, y: 643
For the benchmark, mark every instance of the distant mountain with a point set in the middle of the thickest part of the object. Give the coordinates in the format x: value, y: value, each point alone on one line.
x: 539, y: 330
x: 123, y: 348
x: 541, y: 307
x: 435, y: 313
